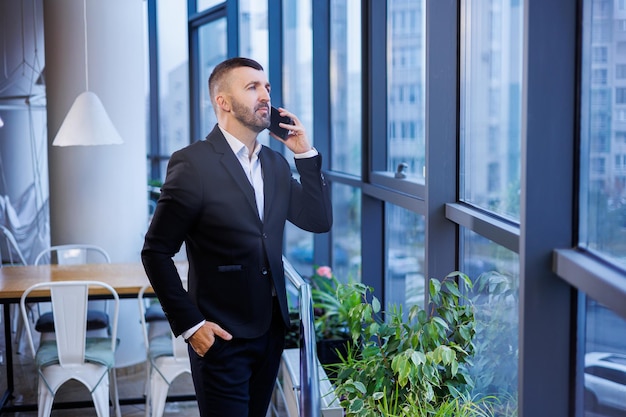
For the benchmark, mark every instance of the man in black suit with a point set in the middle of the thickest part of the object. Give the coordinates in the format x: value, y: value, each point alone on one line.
x: 228, y: 198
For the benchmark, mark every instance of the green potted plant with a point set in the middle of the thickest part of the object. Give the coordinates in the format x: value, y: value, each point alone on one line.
x: 409, y: 365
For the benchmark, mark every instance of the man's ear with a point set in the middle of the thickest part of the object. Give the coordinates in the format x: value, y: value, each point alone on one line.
x: 223, y: 103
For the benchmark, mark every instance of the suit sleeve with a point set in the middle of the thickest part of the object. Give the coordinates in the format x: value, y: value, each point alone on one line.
x: 310, y: 207
x: 175, y: 213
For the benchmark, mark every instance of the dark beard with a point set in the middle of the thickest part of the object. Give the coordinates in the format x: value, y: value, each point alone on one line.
x: 250, y: 119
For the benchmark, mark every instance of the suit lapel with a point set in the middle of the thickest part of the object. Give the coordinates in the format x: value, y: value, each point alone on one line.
x: 269, y: 186
x: 232, y: 166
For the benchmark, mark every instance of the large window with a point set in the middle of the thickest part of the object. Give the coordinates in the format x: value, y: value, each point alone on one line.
x: 212, y: 49
x: 345, y: 79
x: 406, y: 32
x: 173, y: 77
x: 172, y: 85
x: 603, y: 195
x: 490, y: 121
x: 491, y: 97
x: 298, y: 62
x: 602, y: 217
x: 346, y: 243
x: 404, y: 278
x: 494, y: 270
x: 449, y: 134
x: 298, y: 98
x: 254, y: 39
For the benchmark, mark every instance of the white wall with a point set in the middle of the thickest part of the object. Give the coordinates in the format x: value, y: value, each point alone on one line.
x: 98, y: 193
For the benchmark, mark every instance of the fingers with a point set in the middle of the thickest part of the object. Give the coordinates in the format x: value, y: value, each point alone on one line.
x: 297, y: 140
x: 218, y: 331
x: 204, y: 338
x: 283, y: 112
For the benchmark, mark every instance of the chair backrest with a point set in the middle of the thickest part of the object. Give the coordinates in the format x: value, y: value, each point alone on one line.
x: 179, y: 347
x: 13, y: 255
x: 72, y: 254
x: 69, y: 306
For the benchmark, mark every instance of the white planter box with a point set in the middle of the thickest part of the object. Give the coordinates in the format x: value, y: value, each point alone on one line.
x: 289, y: 378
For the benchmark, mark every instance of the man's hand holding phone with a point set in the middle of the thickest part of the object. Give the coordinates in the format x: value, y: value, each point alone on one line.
x: 286, y: 127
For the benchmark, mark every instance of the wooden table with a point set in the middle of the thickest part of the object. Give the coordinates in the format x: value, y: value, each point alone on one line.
x: 126, y: 278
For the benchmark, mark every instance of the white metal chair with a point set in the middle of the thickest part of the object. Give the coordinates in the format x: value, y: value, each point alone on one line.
x: 73, y: 355
x: 167, y: 356
x: 74, y: 254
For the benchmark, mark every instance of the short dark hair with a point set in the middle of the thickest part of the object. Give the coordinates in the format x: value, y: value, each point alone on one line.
x: 226, y: 66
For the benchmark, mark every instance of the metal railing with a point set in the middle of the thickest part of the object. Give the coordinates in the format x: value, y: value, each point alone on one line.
x: 310, y: 402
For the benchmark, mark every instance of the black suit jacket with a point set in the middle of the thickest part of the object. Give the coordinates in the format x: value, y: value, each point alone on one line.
x: 234, y: 257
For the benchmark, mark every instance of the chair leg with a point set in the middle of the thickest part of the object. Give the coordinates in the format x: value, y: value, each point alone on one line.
x: 20, y: 332
x: 158, y: 394
x: 44, y: 403
x: 146, y: 389
x: 115, y: 398
x: 100, y: 397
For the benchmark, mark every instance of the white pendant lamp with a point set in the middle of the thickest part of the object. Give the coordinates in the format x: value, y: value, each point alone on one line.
x: 87, y: 123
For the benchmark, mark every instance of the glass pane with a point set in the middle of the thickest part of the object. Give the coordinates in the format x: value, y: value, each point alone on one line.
x: 202, y: 5
x: 211, y: 51
x: 404, y: 281
x: 604, y: 362
x: 406, y: 86
x: 299, y: 249
x: 345, y: 78
x: 298, y: 64
x: 494, y: 270
x: 173, y: 76
x: 346, y: 232
x: 491, y: 98
x: 254, y: 40
x: 603, y: 132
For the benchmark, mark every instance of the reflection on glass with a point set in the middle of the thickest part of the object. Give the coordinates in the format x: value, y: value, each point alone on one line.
x: 173, y: 77
x: 299, y: 248
x: 604, y: 362
x: 491, y: 98
x: 346, y: 232
x: 404, y: 281
x: 345, y: 78
x: 211, y: 51
x: 298, y: 64
x: 494, y: 270
x: 202, y: 5
x: 603, y: 130
x: 406, y: 86
x: 254, y: 40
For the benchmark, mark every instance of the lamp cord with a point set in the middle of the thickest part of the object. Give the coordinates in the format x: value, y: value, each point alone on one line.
x: 86, y: 52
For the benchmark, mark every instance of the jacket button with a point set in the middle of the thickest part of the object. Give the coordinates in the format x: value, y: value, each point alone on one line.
x: 264, y: 271
x: 264, y: 235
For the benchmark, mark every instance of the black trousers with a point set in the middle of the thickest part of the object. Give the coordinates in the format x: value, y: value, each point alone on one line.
x: 236, y: 378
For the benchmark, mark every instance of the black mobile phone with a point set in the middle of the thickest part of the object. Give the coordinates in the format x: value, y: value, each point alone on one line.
x: 276, y: 118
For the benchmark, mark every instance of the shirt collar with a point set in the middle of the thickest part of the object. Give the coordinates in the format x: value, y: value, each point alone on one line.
x: 238, y: 146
